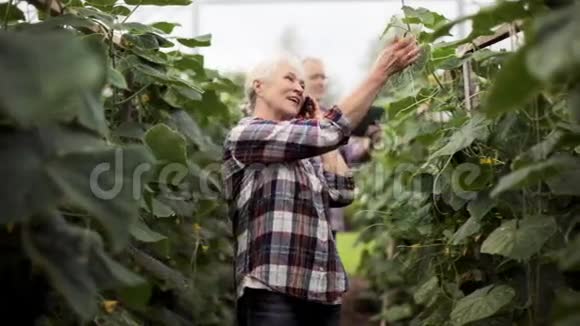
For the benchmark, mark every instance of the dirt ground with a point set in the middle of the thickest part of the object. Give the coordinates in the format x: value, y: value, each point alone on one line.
x: 356, y: 310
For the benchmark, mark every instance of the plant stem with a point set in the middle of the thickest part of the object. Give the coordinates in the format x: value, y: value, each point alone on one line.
x: 408, y: 25
x: 133, y: 95
x: 132, y: 11
x: 5, y: 26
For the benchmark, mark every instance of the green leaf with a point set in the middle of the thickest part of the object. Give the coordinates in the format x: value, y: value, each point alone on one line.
x: 445, y: 58
x: 481, y: 304
x: 136, y: 297
x: 480, y: 206
x: 160, y: 209
x: 426, y: 292
x: 22, y: 164
x: 116, y: 78
x: 10, y: 13
x: 199, y: 41
x: 140, y: 231
x: 398, y: 312
x: 166, y: 27
x: 154, y: 56
x: 121, y: 11
x: 520, y: 239
x: 161, y: 76
x: 105, y: 18
x: 541, y: 150
x: 486, y: 19
x: 167, y: 145
x: 469, y: 228
x: 533, y: 173
x: 566, y: 308
x: 574, y: 104
x: 61, y: 21
x: 106, y: 182
x: 569, y: 257
x: 193, y: 62
x: 158, y: 2
x: 75, y: 262
x: 103, y: 5
x: 555, y: 52
x: 476, y: 128
x: 477, y: 208
x: 513, y: 86
x: 423, y: 16
x: 566, y: 182
x: 46, y: 77
x: 137, y: 28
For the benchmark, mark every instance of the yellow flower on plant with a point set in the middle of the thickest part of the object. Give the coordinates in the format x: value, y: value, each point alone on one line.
x: 196, y: 227
x: 486, y: 160
x: 110, y: 305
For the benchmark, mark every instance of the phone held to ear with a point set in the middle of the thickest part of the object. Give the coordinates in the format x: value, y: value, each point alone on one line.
x: 307, y: 109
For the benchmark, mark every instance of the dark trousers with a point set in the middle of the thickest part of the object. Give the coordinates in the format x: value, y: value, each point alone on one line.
x: 265, y: 308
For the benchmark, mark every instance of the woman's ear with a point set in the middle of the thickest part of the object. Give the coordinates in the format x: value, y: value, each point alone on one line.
x: 258, y: 86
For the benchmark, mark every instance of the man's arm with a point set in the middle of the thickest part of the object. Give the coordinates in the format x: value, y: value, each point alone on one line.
x: 338, y: 178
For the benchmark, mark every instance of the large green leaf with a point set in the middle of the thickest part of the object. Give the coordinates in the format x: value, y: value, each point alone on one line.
x: 476, y: 128
x: 59, y: 22
x: 477, y: 208
x: 574, y: 104
x: 569, y: 258
x: 10, y: 13
x: 75, y: 262
x: 199, y: 41
x: 480, y: 205
x: 116, y: 78
x: 55, y: 166
x: 46, y: 77
x: 556, y: 50
x: 398, y: 312
x: 541, y: 150
x: 140, y: 231
x: 23, y: 164
x: 167, y: 145
x: 469, y: 228
x: 423, y: 16
x: 566, y: 311
x: 426, y: 292
x: 520, y: 239
x: 107, y: 182
x: 566, y: 308
x: 513, y: 86
x: 166, y: 27
x: 533, y: 173
x: 481, y: 304
x: 486, y: 19
x: 566, y: 182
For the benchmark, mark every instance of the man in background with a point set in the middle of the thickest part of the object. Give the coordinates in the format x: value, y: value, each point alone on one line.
x: 364, y: 138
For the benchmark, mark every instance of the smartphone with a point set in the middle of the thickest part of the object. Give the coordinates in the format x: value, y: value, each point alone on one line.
x: 307, y: 109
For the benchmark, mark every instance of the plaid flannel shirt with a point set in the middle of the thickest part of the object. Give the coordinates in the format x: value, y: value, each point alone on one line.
x: 279, y: 198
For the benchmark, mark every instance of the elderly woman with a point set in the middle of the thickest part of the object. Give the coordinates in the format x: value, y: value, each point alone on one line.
x: 282, y: 174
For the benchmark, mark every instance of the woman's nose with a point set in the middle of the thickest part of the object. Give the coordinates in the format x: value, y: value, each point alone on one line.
x: 299, y: 88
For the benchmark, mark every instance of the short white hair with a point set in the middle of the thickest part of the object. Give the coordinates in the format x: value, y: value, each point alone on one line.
x: 264, y: 70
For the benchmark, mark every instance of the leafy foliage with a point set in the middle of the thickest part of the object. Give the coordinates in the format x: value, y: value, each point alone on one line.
x: 473, y: 212
x: 109, y: 142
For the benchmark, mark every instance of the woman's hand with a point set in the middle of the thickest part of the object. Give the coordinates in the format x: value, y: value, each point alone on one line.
x: 395, y: 57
